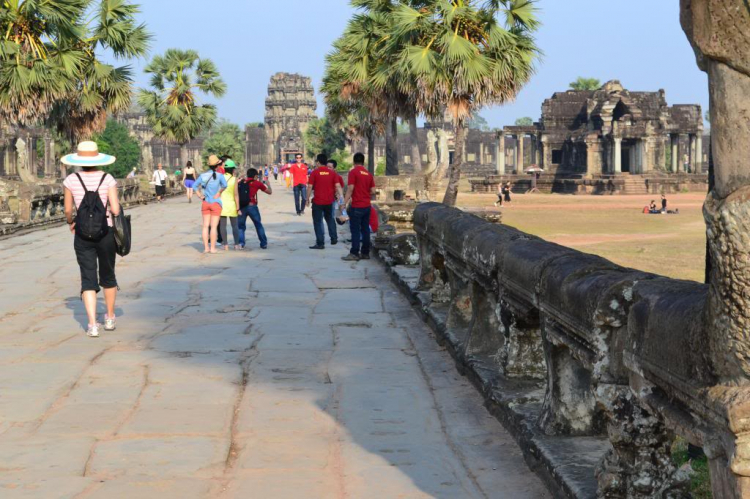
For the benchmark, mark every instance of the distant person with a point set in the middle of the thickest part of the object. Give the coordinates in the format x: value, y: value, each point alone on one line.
x: 132, y: 173
x: 299, y: 179
x: 500, y: 192
x: 288, y: 178
x: 209, y: 187
x: 188, y: 180
x: 160, y: 182
x: 686, y: 163
x: 359, y: 191
x: 652, y: 208
x: 230, y: 207
x: 506, y: 192
x: 664, y: 203
x: 93, y: 196
x: 276, y: 172
x: 323, y: 188
x: 248, y: 201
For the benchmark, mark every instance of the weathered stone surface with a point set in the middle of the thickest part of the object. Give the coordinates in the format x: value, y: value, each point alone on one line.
x: 403, y: 249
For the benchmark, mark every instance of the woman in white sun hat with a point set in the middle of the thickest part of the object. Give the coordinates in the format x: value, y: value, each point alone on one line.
x: 92, y: 195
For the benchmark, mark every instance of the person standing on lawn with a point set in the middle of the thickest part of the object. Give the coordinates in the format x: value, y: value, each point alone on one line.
x: 359, y: 191
x: 248, y: 198
x: 325, y: 185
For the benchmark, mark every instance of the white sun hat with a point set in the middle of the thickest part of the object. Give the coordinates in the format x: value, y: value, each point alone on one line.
x: 88, y: 155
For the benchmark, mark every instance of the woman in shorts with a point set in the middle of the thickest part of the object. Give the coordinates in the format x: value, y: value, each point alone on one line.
x: 209, y: 187
x: 188, y: 179
x: 96, y: 258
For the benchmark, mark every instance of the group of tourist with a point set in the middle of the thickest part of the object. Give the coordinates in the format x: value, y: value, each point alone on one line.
x: 503, y: 194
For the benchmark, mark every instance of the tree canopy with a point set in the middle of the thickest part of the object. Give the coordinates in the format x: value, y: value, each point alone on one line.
x: 50, y: 62
x: 225, y: 139
x: 322, y: 137
x: 116, y: 141
x: 478, y: 122
x: 524, y: 121
x: 582, y: 83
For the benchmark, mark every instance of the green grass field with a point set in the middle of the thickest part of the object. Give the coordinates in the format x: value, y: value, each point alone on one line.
x: 613, y: 227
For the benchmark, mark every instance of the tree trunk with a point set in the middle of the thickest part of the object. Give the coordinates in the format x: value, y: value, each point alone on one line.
x: 371, y: 151
x: 391, y: 147
x: 416, y: 155
x: 183, y: 155
x: 451, y: 193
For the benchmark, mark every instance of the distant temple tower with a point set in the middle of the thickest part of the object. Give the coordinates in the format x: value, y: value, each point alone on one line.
x: 290, y: 106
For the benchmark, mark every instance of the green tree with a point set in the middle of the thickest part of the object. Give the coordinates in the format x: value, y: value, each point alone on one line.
x: 464, y: 55
x: 116, y: 140
x: 524, y: 121
x: 225, y: 138
x: 50, y: 67
x: 582, y: 83
x: 172, y: 109
x: 477, y: 122
x: 322, y: 137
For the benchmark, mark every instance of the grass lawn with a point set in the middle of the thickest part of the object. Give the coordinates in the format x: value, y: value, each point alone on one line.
x: 613, y: 227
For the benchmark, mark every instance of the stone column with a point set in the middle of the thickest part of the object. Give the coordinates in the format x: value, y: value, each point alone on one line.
x: 698, y: 162
x: 500, y: 153
x: 618, y: 155
x: 481, y: 153
x: 691, y: 151
x: 49, y: 156
x: 593, y: 156
x: 519, y: 155
x: 675, y: 143
x: 718, y: 31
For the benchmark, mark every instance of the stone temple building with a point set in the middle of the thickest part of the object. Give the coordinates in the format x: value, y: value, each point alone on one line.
x: 609, y: 131
x: 290, y: 106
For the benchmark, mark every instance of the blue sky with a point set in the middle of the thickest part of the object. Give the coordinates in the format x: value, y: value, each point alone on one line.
x: 639, y: 42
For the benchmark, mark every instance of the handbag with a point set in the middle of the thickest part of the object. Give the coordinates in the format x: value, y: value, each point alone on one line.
x: 123, y: 234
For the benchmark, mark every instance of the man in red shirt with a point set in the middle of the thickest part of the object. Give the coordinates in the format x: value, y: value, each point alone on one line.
x: 299, y: 179
x: 360, y: 188
x: 324, y: 183
x: 247, y: 191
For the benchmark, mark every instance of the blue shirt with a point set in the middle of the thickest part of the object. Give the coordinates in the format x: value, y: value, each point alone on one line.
x: 211, y: 187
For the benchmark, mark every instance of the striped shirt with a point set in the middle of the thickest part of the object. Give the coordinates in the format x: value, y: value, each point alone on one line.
x: 91, y: 179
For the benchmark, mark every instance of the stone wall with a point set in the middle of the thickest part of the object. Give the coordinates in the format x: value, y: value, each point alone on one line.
x: 594, y: 367
x: 24, y: 205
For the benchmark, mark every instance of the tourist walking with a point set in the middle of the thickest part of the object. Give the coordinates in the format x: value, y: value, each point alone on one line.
x: 323, y: 188
x: 506, y: 192
x: 132, y: 173
x: 209, y: 188
x: 248, y: 203
x: 359, y: 191
x: 299, y: 179
x: 288, y: 178
x: 92, y: 194
x: 188, y: 180
x: 276, y: 172
x: 160, y: 182
x: 500, y: 192
x: 230, y: 207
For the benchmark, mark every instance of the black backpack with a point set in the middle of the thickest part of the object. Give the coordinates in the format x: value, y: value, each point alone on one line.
x: 243, y: 189
x: 91, y: 216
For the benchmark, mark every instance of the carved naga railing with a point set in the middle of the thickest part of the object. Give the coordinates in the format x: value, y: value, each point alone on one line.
x: 623, y: 351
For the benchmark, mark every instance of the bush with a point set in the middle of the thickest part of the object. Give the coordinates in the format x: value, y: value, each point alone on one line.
x: 380, y: 167
x: 116, y: 141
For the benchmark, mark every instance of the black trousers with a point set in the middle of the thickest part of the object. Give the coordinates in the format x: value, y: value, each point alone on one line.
x: 101, y: 254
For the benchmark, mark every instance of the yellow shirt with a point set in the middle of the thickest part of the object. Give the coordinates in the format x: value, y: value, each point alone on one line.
x: 227, y: 197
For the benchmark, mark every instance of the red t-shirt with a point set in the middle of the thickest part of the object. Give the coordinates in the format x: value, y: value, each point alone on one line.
x: 323, y: 182
x: 363, y: 182
x: 299, y: 173
x: 255, y: 186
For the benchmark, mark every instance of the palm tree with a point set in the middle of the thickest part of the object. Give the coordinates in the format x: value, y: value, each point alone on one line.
x: 171, y: 106
x: 50, y: 69
x: 464, y: 55
x: 582, y: 83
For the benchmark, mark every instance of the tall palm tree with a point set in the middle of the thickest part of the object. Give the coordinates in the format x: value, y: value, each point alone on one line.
x: 50, y: 69
x: 171, y: 105
x: 464, y: 55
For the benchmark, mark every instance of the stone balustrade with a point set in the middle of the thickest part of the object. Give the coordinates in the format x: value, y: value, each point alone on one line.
x: 595, y: 367
x: 23, y: 204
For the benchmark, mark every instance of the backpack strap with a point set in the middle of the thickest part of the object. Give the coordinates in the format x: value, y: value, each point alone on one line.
x: 81, y: 181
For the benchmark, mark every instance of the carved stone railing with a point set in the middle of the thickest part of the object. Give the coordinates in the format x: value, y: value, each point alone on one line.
x: 623, y: 354
x: 23, y: 204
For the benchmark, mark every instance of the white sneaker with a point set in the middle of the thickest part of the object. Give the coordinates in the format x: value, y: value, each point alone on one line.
x: 93, y: 331
x: 109, y: 324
